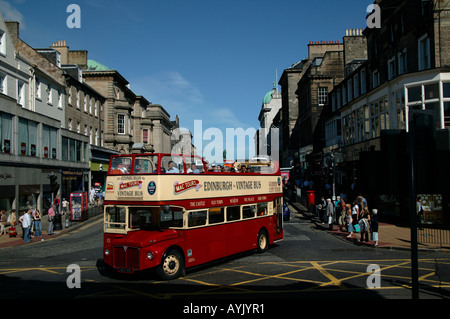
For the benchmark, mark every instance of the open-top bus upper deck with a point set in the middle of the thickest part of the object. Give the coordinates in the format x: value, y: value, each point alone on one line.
x: 149, y: 178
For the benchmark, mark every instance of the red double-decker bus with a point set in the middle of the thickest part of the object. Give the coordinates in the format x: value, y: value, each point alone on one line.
x: 168, y: 212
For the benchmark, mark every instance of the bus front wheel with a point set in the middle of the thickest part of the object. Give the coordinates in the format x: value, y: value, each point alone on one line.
x: 262, y: 241
x: 172, y: 266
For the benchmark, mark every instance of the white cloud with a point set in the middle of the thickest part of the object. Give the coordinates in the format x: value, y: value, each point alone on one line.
x: 170, y: 89
x: 9, y: 12
x: 181, y: 97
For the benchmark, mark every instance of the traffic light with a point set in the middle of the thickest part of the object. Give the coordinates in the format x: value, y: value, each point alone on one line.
x: 53, y: 184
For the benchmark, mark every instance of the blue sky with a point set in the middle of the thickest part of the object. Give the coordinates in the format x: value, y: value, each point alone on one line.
x: 209, y: 60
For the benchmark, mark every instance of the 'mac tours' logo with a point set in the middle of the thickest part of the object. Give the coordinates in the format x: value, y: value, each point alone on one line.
x: 182, y: 187
x: 130, y: 184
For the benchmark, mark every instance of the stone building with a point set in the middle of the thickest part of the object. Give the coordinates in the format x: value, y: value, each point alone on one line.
x: 289, y: 113
x: 270, y: 107
x: 32, y: 112
x: 324, y: 70
x: 407, y: 71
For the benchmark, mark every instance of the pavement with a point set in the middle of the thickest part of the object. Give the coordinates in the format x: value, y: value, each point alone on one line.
x: 390, y: 236
x: 6, y: 241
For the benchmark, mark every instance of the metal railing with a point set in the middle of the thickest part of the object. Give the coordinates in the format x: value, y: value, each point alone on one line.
x: 433, y: 234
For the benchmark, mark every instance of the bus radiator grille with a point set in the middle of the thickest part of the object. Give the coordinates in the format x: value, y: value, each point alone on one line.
x: 126, y: 257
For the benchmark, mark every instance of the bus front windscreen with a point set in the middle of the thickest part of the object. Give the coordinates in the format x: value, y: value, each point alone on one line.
x: 153, y: 218
x: 117, y: 219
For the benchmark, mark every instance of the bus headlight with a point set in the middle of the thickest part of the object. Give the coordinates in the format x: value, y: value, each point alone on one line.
x: 150, y: 255
x: 107, y: 252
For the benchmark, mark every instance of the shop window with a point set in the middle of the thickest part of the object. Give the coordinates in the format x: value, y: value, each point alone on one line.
x: 6, y: 133
x: 415, y: 94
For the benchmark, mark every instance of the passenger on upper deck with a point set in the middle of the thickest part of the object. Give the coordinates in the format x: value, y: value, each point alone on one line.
x: 172, y: 168
x: 193, y: 169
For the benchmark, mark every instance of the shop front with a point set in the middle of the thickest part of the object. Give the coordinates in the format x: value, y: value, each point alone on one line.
x: 25, y: 187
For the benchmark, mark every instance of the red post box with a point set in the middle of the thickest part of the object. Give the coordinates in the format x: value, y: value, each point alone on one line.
x: 311, y: 198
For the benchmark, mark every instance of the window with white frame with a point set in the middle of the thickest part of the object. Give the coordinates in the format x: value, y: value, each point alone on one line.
x: 145, y: 136
x: 424, y: 53
x: 375, y: 78
x: 120, y: 124
x: 60, y: 99
x: 379, y: 116
x: 2, y: 42
x: 21, y: 93
x: 38, y: 88
x: 49, y: 95
x: 322, y: 95
x: 350, y: 90
x: 363, y: 81
x: 69, y: 98
x: 402, y: 62
x: 392, y: 69
x: 356, y: 85
x: 3, y: 83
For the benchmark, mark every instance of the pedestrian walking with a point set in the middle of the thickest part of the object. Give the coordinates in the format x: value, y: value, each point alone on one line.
x: 355, y: 213
x: 56, y: 204
x: 419, y: 209
x: 341, y: 212
x: 330, y: 213
x: 364, y: 225
x: 374, y: 226
x: 65, y: 206
x: 349, y: 221
x: 323, y: 210
x: 25, y: 220
x: 51, y: 218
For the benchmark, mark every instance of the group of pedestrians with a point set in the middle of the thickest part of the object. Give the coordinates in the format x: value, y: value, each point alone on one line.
x: 353, y: 218
x: 31, y: 221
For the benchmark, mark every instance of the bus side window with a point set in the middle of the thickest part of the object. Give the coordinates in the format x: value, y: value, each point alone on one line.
x: 216, y: 215
x: 197, y: 218
x: 248, y: 211
x: 262, y: 209
x: 233, y: 213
